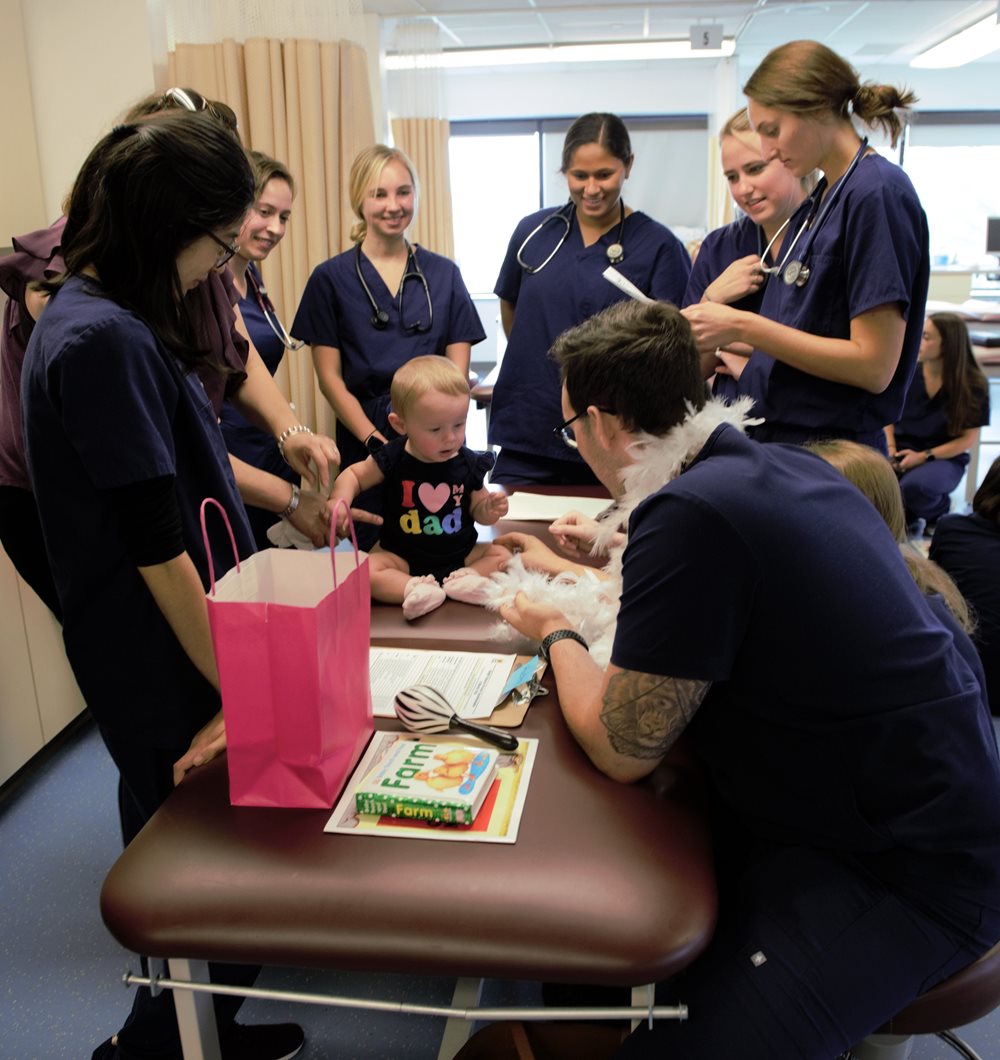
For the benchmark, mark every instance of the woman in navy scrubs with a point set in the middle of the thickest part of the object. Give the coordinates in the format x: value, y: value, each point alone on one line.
x: 837, y: 334
x: 728, y: 268
x: 948, y: 401
x: 968, y: 548
x: 378, y: 305
x: 262, y: 231
x: 551, y: 280
x: 122, y: 445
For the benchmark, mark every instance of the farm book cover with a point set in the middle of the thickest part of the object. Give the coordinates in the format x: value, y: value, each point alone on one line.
x: 425, y: 781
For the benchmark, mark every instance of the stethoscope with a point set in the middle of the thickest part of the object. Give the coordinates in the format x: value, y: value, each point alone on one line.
x: 796, y: 273
x: 270, y: 315
x: 615, y: 251
x: 379, y: 317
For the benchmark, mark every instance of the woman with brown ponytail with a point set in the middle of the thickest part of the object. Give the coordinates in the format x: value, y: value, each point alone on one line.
x: 836, y: 338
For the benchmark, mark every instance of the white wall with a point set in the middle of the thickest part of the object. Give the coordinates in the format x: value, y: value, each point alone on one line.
x: 696, y: 86
x: 87, y: 62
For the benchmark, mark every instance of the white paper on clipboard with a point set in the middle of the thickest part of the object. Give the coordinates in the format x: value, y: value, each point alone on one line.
x: 613, y: 276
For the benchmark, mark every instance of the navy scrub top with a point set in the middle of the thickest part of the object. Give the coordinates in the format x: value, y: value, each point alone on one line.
x: 719, y: 249
x: 570, y: 289
x: 843, y: 714
x: 870, y: 249
x: 105, y: 405
x: 924, y: 423
x: 335, y: 312
x: 243, y: 439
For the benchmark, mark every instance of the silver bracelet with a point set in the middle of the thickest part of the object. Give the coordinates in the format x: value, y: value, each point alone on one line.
x: 293, y: 503
x: 299, y: 428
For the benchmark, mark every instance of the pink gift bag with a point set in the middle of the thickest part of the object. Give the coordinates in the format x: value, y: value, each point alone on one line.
x: 291, y: 631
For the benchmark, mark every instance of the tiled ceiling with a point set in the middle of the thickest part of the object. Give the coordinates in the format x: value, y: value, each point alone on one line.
x: 889, y: 31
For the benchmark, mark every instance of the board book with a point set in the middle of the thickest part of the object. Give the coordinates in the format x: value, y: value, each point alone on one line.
x: 422, y: 781
x: 497, y: 821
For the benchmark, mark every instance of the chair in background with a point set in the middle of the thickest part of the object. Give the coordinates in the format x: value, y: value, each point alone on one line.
x: 967, y: 996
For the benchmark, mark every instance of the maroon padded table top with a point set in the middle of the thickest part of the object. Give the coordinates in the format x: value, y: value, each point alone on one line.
x: 607, y: 883
x: 454, y: 621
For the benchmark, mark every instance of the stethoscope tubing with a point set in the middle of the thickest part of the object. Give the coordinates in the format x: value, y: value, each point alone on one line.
x: 796, y: 272
x: 380, y: 317
x: 271, y: 314
x: 615, y: 251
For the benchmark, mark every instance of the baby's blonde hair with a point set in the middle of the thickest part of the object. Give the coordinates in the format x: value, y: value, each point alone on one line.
x: 422, y: 375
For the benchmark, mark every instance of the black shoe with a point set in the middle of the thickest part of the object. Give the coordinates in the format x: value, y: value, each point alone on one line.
x: 263, y: 1041
x: 105, y: 1051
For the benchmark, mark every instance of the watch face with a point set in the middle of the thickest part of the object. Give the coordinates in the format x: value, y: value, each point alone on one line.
x: 374, y: 444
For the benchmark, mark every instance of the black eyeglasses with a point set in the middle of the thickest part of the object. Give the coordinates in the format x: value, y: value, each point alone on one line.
x: 565, y: 430
x: 226, y: 250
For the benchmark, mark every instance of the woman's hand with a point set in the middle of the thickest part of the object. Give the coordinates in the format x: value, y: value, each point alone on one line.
x: 740, y: 278
x: 312, y: 517
x: 908, y: 459
x: 730, y: 363
x: 533, y: 619
x: 714, y: 325
x: 314, y: 456
x: 204, y: 747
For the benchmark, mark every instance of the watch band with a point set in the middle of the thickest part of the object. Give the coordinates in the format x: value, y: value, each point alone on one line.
x: 929, y: 455
x: 559, y: 634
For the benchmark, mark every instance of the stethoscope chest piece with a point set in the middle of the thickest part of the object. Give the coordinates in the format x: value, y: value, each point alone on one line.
x: 615, y: 253
x: 796, y: 273
x: 380, y: 320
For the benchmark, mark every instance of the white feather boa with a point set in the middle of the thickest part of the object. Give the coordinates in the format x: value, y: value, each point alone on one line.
x: 589, y: 603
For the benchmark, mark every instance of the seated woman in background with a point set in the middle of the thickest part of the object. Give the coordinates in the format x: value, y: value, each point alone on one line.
x: 262, y: 231
x: 948, y: 401
x: 968, y: 548
x: 729, y: 267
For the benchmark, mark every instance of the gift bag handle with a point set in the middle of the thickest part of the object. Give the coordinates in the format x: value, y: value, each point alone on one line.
x: 204, y: 535
x: 340, y: 502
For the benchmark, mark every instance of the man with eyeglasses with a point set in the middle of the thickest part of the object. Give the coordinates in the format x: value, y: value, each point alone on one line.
x: 852, y: 770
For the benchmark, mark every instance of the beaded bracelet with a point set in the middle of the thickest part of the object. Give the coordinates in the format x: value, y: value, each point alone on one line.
x: 299, y: 428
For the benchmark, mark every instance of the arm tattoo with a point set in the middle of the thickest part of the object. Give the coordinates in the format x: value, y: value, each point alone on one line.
x: 645, y: 713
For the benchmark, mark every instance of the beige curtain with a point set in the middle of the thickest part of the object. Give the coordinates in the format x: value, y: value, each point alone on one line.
x: 720, y: 202
x: 425, y: 141
x: 307, y: 103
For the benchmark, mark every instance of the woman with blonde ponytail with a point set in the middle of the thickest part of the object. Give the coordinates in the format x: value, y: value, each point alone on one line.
x: 835, y: 342
x: 378, y: 305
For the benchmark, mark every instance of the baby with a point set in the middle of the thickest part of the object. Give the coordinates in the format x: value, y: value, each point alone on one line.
x: 433, y: 496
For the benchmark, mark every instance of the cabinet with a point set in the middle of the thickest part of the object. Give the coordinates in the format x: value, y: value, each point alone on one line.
x: 38, y: 693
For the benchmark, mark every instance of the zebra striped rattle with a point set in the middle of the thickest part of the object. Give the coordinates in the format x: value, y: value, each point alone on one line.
x: 423, y: 709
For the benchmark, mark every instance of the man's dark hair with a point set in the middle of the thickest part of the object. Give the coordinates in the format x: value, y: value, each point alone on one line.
x: 640, y: 361
x: 145, y: 192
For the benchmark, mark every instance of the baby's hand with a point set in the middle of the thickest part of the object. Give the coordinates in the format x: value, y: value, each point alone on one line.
x: 495, y: 506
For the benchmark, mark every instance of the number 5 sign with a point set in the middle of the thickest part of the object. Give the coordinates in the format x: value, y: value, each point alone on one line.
x: 706, y: 37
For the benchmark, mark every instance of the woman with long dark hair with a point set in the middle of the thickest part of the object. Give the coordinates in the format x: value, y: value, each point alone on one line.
x: 947, y: 403
x: 122, y: 445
